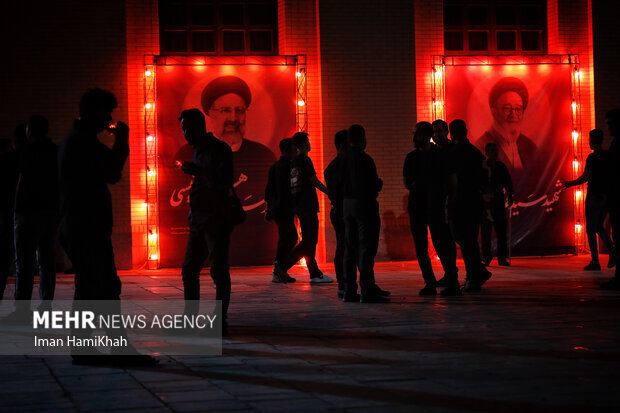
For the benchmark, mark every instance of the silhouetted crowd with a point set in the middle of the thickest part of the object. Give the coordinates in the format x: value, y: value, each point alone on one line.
x: 455, y: 192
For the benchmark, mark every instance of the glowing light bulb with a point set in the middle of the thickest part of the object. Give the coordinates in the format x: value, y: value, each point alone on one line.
x: 577, y: 74
x: 150, y: 138
x: 153, y: 237
x: 150, y: 172
x: 153, y: 257
x: 145, y: 205
x: 575, y: 136
x: 301, y: 103
x: 574, y: 105
x: 578, y: 194
x: 578, y: 227
x: 297, y: 74
x: 148, y: 73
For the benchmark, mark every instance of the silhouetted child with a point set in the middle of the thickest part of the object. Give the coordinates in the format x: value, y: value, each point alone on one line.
x: 280, y: 207
x: 495, y: 194
x: 594, y: 174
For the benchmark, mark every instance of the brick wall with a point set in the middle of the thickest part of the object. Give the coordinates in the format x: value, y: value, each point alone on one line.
x: 368, y: 77
x: 606, y: 59
x: 142, y: 41
x: 54, y: 51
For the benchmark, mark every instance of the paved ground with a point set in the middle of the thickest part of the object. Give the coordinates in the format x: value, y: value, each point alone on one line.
x: 541, y: 337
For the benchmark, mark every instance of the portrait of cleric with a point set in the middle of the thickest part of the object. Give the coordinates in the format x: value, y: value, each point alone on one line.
x: 225, y: 101
x: 508, y: 101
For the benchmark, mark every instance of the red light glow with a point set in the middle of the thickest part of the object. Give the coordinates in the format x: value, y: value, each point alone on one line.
x: 148, y: 105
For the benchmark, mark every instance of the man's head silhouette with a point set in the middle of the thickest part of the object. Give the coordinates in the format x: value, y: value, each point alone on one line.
x: 357, y: 136
x: 193, y: 126
x: 422, y: 134
x: 96, y: 108
x: 458, y: 130
x: 225, y: 100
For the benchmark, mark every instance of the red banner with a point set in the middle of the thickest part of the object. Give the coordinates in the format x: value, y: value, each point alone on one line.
x: 526, y: 111
x: 251, y: 107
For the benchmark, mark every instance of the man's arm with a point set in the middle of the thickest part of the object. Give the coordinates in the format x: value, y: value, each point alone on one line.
x: 585, y: 177
x: 318, y: 184
x: 117, y: 156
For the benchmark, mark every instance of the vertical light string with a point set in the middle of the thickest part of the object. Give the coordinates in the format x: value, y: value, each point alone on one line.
x: 438, y: 90
x: 577, y: 160
x: 150, y: 142
x: 301, y: 96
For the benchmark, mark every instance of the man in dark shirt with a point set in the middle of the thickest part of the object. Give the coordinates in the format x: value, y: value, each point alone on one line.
x: 495, y: 203
x: 612, y: 185
x: 36, y: 213
x: 333, y: 181
x: 464, y: 206
x: 361, y: 186
x: 440, y: 135
x: 594, y: 174
x: 86, y: 167
x: 209, y: 225
x: 424, y: 175
x: 304, y: 183
x: 280, y: 206
x: 8, y: 183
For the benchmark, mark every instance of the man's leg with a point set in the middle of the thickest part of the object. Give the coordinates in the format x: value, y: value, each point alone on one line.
x: 7, y: 251
x: 47, y: 282
x: 195, y: 254
x: 26, y: 239
x: 444, y: 245
x: 418, y: 223
x: 591, y: 230
x: 338, y: 224
x: 351, y: 250
x: 366, y: 259
x: 309, y: 225
x: 287, y: 237
x: 486, y: 228
x: 501, y: 231
x: 218, y: 242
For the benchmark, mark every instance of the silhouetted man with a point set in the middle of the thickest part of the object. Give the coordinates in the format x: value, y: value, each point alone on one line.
x: 304, y: 184
x: 86, y: 168
x: 209, y: 226
x: 333, y: 181
x: 464, y: 205
x: 361, y: 187
x: 613, y: 187
x: 8, y: 184
x: 280, y: 207
x: 36, y: 214
x: 498, y: 190
x: 595, y: 174
x: 425, y: 177
x: 440, y: 135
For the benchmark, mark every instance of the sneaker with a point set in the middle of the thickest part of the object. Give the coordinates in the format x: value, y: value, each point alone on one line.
x: 290, y: 279
x: 321, y: 279
x: 613, y: 284
x: 453, y: 291
x: 383, y: 293
x: 374, y: 298
x: 471, y: 287
x: 484, y: 276
x: 351, y: 298
x: 280, y: 272
x: 275, y: 279
x: 503, y: 263
x: 612, y: 259
x: 428, y: 291
x: 593, y: 266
